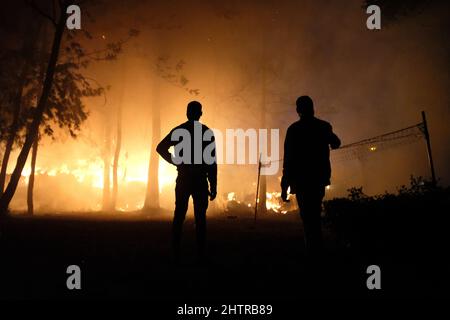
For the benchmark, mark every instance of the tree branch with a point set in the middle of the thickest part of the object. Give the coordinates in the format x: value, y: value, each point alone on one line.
x: 41, y: 12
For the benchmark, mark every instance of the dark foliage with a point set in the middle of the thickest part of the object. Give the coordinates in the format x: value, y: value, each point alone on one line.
x: 412, y: 219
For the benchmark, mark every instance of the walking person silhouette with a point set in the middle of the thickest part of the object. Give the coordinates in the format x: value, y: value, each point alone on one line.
x: 196, y: 164
x: 307, y: 169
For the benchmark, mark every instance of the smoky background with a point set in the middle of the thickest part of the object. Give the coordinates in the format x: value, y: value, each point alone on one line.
x: 246, y: 62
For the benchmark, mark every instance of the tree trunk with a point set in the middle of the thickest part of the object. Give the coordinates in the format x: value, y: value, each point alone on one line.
x: 117, y: 155
x: 8, y: 149
x: 118, y: 144
x: 31, y: 178
x: 34, y: 151
x: 107, y: 167
x: 262, y: 208
x: 33, y: 129
x: 152, y: 195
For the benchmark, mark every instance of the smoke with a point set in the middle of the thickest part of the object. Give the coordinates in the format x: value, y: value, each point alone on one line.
x: 245, y: 57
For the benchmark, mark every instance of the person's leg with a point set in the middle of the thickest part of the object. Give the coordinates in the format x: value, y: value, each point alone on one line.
x: 304, y: 205
x: 317, y: 195
x: 181, y: 206
x: 310, y: 203
x: 200, y: 198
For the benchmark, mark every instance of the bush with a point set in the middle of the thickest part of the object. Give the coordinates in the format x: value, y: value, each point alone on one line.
x: 414, y: 217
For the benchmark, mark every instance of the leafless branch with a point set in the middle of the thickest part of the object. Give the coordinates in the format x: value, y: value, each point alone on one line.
x: 41, y: 12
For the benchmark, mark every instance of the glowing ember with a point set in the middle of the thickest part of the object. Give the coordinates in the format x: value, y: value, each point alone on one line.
x: 231, y: 196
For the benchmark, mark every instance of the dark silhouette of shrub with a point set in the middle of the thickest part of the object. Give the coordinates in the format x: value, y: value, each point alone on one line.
x: 414, y: 218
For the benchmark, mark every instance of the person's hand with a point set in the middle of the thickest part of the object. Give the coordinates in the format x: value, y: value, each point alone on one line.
x: 284, y: 188
x: 284, y: 195
x: 212, y: 194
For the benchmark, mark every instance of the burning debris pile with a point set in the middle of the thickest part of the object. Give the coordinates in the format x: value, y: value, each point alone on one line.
x: 246, y: 205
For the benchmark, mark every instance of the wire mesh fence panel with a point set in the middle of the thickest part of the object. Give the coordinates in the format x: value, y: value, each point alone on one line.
x: 365, y: 148
x: 361, y: 150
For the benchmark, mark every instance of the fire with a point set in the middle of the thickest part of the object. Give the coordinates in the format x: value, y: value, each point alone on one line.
x: 86, y: 177
x: 273, y: 201
x: 231, y: 196
x: 167, y: 175
x: 91, y: 173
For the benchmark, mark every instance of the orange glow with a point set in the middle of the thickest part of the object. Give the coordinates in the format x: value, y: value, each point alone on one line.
x: 272, y: 201
x: 93, y: 172
x: 88, y: 174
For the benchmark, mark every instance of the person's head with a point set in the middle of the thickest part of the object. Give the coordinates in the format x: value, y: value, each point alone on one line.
x: 194, y: 110
x: 305, y: 107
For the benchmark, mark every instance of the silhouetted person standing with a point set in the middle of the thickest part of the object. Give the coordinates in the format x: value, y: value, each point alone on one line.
x: 307, y: 169
x: 196, y: 165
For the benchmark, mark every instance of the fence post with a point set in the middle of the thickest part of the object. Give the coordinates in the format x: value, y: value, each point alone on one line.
x: 257, y: 188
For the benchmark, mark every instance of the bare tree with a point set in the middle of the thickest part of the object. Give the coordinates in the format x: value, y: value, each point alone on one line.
x: 118, y: 141
x: 152, y: 194
x: 106, y: 155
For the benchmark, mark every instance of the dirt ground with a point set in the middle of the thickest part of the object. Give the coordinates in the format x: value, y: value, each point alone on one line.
x: 130, y: 258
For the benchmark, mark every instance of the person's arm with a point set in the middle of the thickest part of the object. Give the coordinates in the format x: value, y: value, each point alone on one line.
x: 334, y: 141
x: 286, y: 165
x: 212, y: 178
x: 163, y: 148
x: 212, y: 173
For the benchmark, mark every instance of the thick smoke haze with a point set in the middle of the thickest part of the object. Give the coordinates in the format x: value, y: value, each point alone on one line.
x: 247, y: 62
